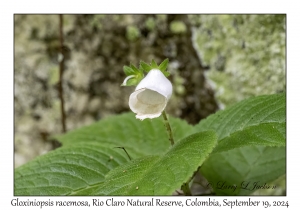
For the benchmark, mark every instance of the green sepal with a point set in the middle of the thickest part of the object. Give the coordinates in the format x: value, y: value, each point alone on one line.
x: 166, y: 73
x: 128, y: 70
x: 134, y: 80
x: 163, y: 66
x: 154, y: 64
x: 136, y: 75
x: 135, y: 69
x: 144, y: 66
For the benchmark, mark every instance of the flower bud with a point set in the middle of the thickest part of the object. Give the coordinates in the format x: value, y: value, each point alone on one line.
x: 151, y: 95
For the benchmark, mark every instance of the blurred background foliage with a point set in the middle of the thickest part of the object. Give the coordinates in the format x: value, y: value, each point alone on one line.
x: 245, y: 53
x: 215, y: 61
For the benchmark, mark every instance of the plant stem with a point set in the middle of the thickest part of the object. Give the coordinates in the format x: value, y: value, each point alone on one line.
x: 61, y: 70
x: 185, y: 186
x: 125, y: 152
x: 186, y: 189
x: 168, y: 127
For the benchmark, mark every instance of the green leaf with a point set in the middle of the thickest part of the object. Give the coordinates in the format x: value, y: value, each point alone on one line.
x: 163, y: 66
x: 146, y: 67
x: 160, y: 175
x: 147, y: 137
x: 243, y: 168
x: 251, y: 143
x: 89, y: 153
x: 67, y: 169
x: 250, y: 112
x: 269, y: 134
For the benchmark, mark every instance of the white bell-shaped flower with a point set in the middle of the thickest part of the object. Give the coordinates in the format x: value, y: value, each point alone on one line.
x: 151, y: 95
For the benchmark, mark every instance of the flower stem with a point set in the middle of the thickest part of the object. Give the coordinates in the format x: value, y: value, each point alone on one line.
x: 168, y: 127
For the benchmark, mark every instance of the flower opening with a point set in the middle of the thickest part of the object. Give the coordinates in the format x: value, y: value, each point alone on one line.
x: 151, y: 95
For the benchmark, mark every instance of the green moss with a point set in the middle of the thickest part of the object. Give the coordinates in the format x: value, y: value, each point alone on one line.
x: 246, y: 54
x: 162, y: 17
x: 177, y: 27
x: 53, y: 75
x: 96, y: 20
x: 132, y: 33
x: 150, y: 23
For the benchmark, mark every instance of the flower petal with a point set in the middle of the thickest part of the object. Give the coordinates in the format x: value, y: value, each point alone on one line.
x: 147, y: 103
x: 151, y: 95
x: 156, y: 80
